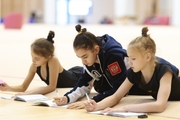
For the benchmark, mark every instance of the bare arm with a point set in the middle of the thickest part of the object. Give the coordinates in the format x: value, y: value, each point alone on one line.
x: 159, y: 104
x: 25, y: 84
x: 111, y: 100
x: 54, y: 69
x: 116, y: 97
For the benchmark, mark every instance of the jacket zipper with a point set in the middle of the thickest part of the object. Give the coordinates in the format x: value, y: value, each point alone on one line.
x: 103, y: 72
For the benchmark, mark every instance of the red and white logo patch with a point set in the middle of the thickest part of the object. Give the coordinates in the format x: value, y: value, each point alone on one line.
x: 114, y: 68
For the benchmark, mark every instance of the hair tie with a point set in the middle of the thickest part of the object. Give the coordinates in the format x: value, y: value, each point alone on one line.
x: 144, y: 34
x: 80, y: 31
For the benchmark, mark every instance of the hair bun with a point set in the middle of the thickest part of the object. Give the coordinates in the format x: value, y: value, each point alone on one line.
x: 51, y: 36
x: 144, y: 31
x: 79, y: 30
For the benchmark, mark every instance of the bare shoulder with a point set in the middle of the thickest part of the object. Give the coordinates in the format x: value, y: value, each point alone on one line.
x: 54, y: 63
x: 53, y: 60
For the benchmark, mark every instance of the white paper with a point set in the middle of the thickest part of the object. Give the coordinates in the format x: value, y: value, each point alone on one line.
x: 26, y: 98
x: 49, y: 103
x: 119, y: 114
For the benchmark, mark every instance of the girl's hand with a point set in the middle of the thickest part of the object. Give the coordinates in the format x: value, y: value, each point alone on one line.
x: 4, y: 87
x: 60, y: 100
x: 76, y: 105
x: 90, y: 105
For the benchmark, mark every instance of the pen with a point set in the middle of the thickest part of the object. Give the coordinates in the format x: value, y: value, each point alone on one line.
x: 57, y: 93
x: 87, y: 96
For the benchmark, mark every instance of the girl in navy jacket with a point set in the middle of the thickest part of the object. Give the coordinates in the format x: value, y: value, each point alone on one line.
x: 105, y: 68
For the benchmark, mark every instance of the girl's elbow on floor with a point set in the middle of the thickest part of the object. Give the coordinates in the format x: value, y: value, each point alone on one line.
x: 160, y: 108
x: 116, y: 100
x: 23, y: 89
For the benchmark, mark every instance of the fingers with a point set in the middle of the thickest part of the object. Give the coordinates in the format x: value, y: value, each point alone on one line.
x: 90, y: 105
x: 77, y: 105
x: 60, y: 100
x: 71, y: 106
x: 56, y: 98
x: 3, y: 86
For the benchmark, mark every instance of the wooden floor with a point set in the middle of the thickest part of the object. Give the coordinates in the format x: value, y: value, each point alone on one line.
x: 15, y: 57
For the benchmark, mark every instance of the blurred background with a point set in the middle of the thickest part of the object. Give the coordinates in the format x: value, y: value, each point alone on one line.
x: 63, y: 12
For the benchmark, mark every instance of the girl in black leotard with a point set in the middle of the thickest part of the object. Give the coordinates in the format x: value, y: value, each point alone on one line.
x: 49, y: 69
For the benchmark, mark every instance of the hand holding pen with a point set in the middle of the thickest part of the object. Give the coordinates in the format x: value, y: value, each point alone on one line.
x: 57, y: 93
x: 90, y: 105
x: 87, y: 96
x: 60, y: 100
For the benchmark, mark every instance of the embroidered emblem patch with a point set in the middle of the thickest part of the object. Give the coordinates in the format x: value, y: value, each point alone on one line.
x: 114, y: 68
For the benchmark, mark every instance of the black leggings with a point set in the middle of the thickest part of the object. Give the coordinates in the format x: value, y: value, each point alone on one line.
x: 69, y: 78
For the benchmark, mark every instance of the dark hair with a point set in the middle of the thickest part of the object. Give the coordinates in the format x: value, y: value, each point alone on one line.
x: 43, y: 46
x: 144, y: 31
x: 144, y: 43
x: 84, y: 39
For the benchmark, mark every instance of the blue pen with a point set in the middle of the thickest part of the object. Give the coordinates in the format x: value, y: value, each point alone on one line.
x: 87, y: 96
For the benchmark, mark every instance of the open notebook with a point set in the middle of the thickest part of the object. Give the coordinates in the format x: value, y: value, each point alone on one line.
x: 35, y: 99
x: 26, y: 98
x: 121, y: 114
x: 49, y: 103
